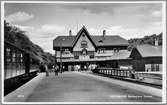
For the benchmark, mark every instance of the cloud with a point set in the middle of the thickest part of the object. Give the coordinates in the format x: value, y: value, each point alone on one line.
x: 156, y: 13
x: 51, y: 29
x: 43, y: 36
x: 114, y: 30
x: 45, y: 43
x: 112, y: 8
x: 45, y: 31
x: 24, y: 28
x: 127, y: 33
x: 19, y: 17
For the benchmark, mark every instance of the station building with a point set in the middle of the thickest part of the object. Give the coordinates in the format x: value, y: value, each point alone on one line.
x: 84, y: 49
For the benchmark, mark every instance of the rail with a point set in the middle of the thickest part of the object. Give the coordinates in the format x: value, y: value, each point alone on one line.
x: 115, y: 72
x: 151, y: 78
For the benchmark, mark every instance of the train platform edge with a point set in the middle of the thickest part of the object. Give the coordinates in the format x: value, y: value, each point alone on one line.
x: 21, y: 94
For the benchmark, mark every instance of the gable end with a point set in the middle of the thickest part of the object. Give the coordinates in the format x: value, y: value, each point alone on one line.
x: 85, y: 32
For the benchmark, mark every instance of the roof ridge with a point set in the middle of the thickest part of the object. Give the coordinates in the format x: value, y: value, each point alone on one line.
x: 105, y: 35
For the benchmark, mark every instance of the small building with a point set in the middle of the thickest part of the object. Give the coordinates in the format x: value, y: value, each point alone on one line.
x: 147, y: 58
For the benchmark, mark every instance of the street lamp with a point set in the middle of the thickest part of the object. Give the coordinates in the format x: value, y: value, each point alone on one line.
x: 61, y: 55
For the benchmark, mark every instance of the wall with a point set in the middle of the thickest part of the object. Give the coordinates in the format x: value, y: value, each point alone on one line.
x: 139, y: 64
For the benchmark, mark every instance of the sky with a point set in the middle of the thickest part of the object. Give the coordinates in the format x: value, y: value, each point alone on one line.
x: 43, y: 22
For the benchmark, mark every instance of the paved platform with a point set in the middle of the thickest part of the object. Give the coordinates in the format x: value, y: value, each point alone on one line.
x: 81, y: 87
x: 138, y: 87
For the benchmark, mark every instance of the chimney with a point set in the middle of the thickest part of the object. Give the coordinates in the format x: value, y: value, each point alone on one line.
x: 156, y: 42
x: 104, y: 33
x: 70, y: 33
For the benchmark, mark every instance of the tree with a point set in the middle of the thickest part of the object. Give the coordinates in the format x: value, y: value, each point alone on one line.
x: 19, y: 38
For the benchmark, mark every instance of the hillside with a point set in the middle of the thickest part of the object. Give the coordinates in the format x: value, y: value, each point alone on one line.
x: 19, y: 38
x: 145, y: 40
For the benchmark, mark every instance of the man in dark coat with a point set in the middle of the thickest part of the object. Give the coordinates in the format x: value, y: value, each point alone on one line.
x: 56, y: 70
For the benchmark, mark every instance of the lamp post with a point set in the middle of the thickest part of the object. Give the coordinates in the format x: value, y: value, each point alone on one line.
x: 61, y: 55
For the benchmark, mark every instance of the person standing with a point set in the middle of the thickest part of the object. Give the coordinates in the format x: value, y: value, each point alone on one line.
x: 56, y: 70
x: 46, y: 69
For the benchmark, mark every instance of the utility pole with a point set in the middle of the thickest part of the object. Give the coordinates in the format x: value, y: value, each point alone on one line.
x: 61, y: 57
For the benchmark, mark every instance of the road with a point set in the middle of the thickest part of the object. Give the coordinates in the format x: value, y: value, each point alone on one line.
x: 73, y: 87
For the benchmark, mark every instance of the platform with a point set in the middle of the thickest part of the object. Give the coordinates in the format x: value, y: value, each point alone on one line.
x: 82, y: 87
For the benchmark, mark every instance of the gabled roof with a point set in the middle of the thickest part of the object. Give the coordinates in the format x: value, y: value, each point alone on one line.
x: 64, y: 41
x: 122, y: 54
x: 149, y: 50
x: 107, y: 40
x: 83, y: 30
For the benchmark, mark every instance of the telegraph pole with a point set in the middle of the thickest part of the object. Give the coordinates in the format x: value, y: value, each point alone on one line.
x: 61, y: 57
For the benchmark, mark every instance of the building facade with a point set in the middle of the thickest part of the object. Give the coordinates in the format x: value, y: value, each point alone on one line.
x: 104, y: 50
x: 86, y: 48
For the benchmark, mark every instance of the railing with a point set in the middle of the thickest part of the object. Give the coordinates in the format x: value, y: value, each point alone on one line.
x: 115, y: 72
x: 151, y: 78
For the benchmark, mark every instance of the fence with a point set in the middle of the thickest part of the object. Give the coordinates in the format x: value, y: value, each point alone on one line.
x: 151, y: 78
x: 115, y: 72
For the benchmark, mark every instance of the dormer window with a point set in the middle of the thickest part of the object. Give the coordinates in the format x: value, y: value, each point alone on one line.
x: 101, y: 50
x: 66, y: 51
x: 84, y: 44
x: 100, y: 41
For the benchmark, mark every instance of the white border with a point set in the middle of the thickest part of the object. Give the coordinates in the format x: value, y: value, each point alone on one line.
x: 83, y: 2
x: 164, y: 51
x: 2, y: 50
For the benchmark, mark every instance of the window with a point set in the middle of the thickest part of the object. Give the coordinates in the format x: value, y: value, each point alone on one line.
x: 153, y: 67
x: 84, y: 44
x: 83, y: 35
x: 66, y: 51
x: 13, y: 57
x: 76, y: 53
x: 84, y: 52
x: 76, y: 57
x: 101, y: 50
x: 8, y: 55
x: 100, y: 41
x: 7, y: 52
x: 21, y: 58
x: 91, y: 56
